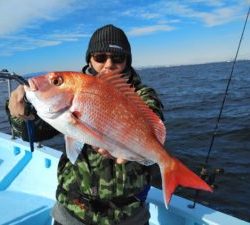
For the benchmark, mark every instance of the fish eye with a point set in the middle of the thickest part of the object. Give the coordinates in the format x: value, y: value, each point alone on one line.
x: 57, y: 81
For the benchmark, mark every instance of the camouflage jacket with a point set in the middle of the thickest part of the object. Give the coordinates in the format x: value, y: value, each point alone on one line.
x: 94, y: 178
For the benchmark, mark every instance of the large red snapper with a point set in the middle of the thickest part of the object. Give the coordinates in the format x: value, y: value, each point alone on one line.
x: 104, y: 111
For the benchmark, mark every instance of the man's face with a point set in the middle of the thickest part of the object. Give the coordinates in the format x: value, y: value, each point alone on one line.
x: 106, y: 62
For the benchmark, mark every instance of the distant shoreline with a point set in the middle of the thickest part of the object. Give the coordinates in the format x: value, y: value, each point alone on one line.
x: 191, y: 64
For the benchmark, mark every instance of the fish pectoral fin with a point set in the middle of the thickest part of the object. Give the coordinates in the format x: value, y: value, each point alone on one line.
x: 86, y: 128
x: 73, y: 148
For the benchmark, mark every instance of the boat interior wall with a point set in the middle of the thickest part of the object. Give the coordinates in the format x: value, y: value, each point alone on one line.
x: 24, y: 188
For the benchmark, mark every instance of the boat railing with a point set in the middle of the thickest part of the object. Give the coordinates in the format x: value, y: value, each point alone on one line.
x: 8, y: 77
x: 9, y: 88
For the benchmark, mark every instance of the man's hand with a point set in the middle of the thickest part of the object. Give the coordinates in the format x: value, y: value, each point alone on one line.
x: 17, y: 105
x: 106, y: 154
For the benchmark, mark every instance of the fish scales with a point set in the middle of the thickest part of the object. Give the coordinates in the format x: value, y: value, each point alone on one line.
x: 104, y: 111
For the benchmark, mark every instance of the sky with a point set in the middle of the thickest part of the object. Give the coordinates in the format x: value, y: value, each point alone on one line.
x: 51, y: 35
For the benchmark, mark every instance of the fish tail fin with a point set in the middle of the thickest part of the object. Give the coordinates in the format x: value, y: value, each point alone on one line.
x: 178, y: 174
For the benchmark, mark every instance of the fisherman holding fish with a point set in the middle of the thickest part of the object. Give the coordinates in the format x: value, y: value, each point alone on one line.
x: 98, y: 189
x: 113, y: 132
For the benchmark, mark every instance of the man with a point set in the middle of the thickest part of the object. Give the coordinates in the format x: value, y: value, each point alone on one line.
x: 98, y: 189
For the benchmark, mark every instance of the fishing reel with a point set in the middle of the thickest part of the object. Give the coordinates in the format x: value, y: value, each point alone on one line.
x: 209, y: 175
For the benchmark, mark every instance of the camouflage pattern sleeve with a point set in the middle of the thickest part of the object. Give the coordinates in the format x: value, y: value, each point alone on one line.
x: 43, y: 130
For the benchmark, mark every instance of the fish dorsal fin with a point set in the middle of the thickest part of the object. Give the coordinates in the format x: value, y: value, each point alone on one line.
x: 121, y: 84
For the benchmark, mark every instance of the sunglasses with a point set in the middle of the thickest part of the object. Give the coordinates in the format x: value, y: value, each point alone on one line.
x: 115, y: 58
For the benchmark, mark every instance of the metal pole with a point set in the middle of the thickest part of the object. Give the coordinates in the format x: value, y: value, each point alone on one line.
x: 9, y: 91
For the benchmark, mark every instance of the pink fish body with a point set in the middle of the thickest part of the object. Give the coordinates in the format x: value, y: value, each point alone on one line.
x: 104, y: 111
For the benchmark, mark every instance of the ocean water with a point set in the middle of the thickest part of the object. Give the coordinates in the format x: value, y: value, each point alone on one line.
x: 192, y: 96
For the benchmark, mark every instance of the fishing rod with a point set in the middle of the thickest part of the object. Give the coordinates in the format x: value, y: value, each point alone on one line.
x: 4, y: 74
x: 204, y: 171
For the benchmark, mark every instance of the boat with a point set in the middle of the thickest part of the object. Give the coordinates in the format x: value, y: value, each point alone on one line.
x: 28, y: 184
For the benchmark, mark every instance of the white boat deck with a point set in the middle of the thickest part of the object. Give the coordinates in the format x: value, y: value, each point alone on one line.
x: 28, y: 184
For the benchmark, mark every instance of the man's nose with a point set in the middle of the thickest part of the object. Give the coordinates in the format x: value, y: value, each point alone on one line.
x: 108, y: 63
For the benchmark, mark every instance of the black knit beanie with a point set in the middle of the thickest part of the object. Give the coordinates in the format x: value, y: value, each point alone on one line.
x: 109, y: 39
